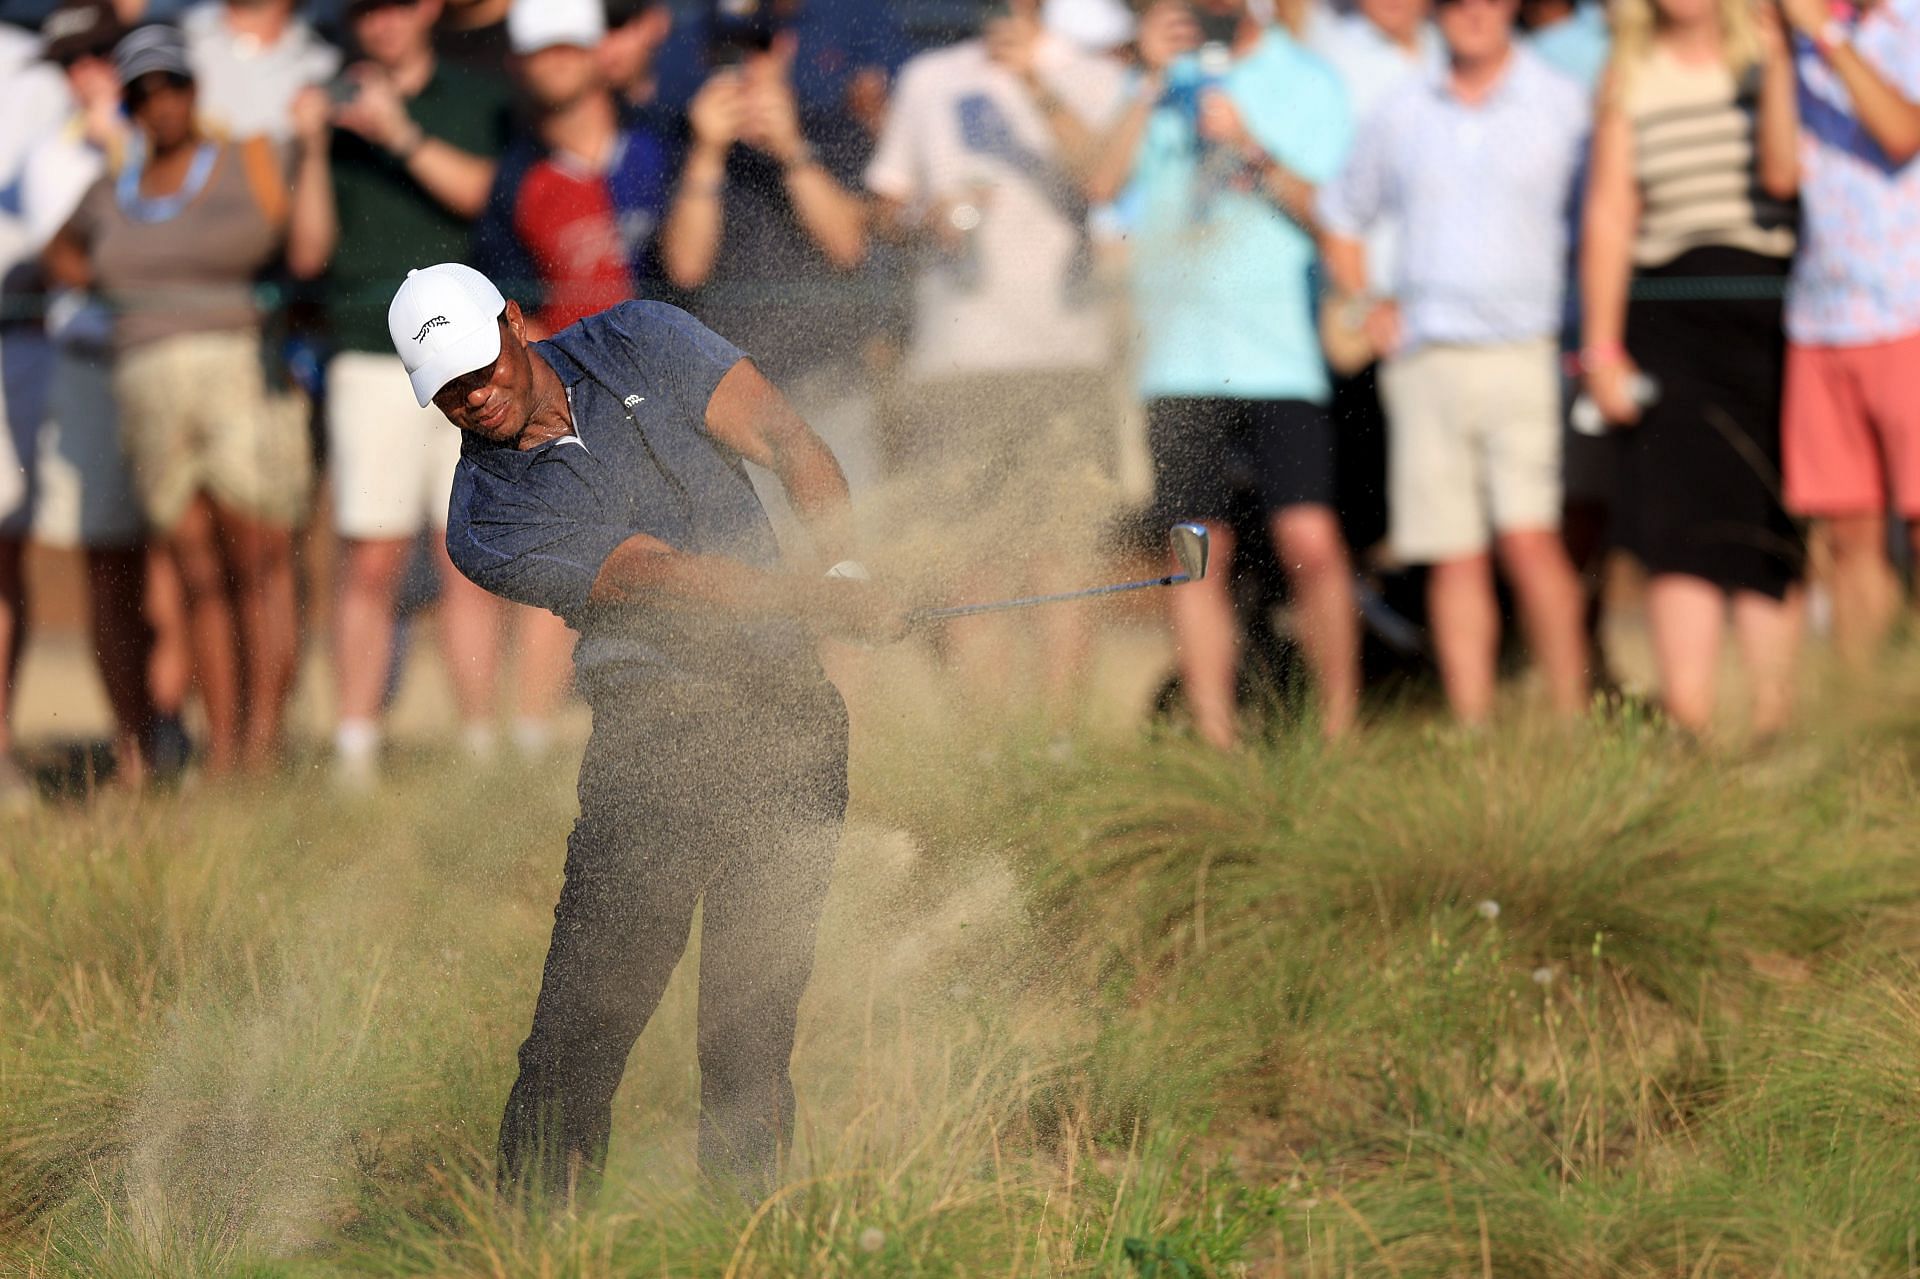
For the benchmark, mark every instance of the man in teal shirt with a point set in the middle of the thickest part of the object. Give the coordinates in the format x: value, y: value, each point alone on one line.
x: 1234, y: 127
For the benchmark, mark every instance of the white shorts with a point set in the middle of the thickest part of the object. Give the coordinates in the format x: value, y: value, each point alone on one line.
x: 391, y: 460
x: 1473, y: 446
x: 26, y: 359
x: 86, y: 496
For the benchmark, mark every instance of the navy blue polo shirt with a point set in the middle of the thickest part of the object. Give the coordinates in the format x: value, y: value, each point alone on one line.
x: 536, y: 526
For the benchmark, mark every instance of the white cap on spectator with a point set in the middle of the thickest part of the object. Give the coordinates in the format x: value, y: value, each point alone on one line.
x: 533, y: 25
x: 1095, y: 25
x: 444, y: 321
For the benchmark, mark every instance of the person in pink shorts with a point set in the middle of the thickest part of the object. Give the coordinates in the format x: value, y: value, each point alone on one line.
x: 1851, y: 430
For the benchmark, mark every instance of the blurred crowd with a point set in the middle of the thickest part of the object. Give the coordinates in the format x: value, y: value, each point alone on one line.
x: 1463, y: 293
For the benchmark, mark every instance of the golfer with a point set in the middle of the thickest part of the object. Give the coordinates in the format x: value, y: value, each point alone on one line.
x: 600, y: 477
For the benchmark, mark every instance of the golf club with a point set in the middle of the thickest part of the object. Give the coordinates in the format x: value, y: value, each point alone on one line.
x: 1189, y: 543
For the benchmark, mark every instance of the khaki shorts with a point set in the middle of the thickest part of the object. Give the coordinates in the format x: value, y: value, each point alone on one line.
x: 391, y: 461
x: 197, y: 417
x: 1473, y: 446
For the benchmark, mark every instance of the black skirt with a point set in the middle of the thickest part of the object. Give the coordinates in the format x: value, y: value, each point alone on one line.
x: 1699, y: 486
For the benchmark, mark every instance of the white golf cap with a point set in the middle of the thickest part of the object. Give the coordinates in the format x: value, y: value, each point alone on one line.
x: 444, y: 321
x: 533, y: 25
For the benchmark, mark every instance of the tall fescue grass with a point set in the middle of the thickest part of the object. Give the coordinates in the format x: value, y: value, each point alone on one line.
x: 1543, y: 1003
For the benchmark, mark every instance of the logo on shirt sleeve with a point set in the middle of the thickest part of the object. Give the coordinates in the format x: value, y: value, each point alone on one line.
x: 429, y: 327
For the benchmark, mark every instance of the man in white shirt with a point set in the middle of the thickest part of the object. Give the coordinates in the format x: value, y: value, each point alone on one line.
x: 251, y: 59
x: 1477, y: 165
x: 1005, y: 402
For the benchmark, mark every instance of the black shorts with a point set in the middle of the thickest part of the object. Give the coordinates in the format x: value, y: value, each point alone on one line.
x: 1211, y: 455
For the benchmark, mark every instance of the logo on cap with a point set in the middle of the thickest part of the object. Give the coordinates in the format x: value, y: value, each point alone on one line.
x: 429, y: 327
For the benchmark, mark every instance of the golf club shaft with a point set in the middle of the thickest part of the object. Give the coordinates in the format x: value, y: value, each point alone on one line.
x: 924, y: 615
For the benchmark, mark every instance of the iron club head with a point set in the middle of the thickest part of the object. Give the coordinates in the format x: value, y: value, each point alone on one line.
x: 1190, y: 549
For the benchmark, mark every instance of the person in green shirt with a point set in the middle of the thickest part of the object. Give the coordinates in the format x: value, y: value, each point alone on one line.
x: 411, y: 155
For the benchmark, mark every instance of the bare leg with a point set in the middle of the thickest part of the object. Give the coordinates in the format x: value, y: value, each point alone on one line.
x: 170, y: 660
x: 261, y: 559
x: 116, y: 586
x: 1768, y: 632
x: 1865, y: 595
x: 363, y: 631
x: 1552, y: 612
x: 1308, y: 541
x: 1687, y: 616
x: 194, y: 547
x: 470, y: 636
x: 1206, y: 637
x: 1465, y: 618
x: 542, y: 671
x: 13, y: 634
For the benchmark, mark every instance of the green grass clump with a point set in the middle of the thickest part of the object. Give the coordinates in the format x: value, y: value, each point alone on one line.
x: 1543, y: 1003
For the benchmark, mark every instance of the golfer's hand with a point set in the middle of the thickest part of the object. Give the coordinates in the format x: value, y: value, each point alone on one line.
x: 860, y: 612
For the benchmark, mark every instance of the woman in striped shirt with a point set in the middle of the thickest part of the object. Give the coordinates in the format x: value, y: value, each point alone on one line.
x: 1689, y: 232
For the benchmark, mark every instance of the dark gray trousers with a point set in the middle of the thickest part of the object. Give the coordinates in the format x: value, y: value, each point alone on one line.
x: 731, y: 796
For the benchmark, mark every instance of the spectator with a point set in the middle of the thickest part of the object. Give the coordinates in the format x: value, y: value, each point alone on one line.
x: 569, y: 230
x: 1693, y: 166
x: 36, y: 103
x: 1477, y: 163
x: 250, y: 59
x: 174, y: 241
x: 636, y: 31
x: 473, y: 35
x: 1568, y: 35
x: 764, y: 225
x: 85, y: 499
x: 1851, y: 435
x: 1373, y: 50
x: 984, y: 158
x: 1225, y: 160
x: 411, y: 158
x: 570, y: 225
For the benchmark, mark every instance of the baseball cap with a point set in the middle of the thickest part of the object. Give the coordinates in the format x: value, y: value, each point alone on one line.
x: 533, y: 25
x: 149, y: 49
x: 80, y: 29
x: 444, y: 321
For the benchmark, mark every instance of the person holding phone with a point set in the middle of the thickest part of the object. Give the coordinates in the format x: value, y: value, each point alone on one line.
x: 409, y: 147
x: 1233, y: 128
x: 1851, y: 435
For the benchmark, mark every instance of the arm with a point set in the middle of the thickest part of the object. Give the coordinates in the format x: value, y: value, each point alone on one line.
x: 1890, y: 118
x: 834, y: 218
x: 1167, y: 32
x: 313, y: 223
x: 1779, y: 123
x: 690, y: 235
x: 68, y: 263
x: 1609, y: 223
x: 749, y: 415
x: 458, y: 179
